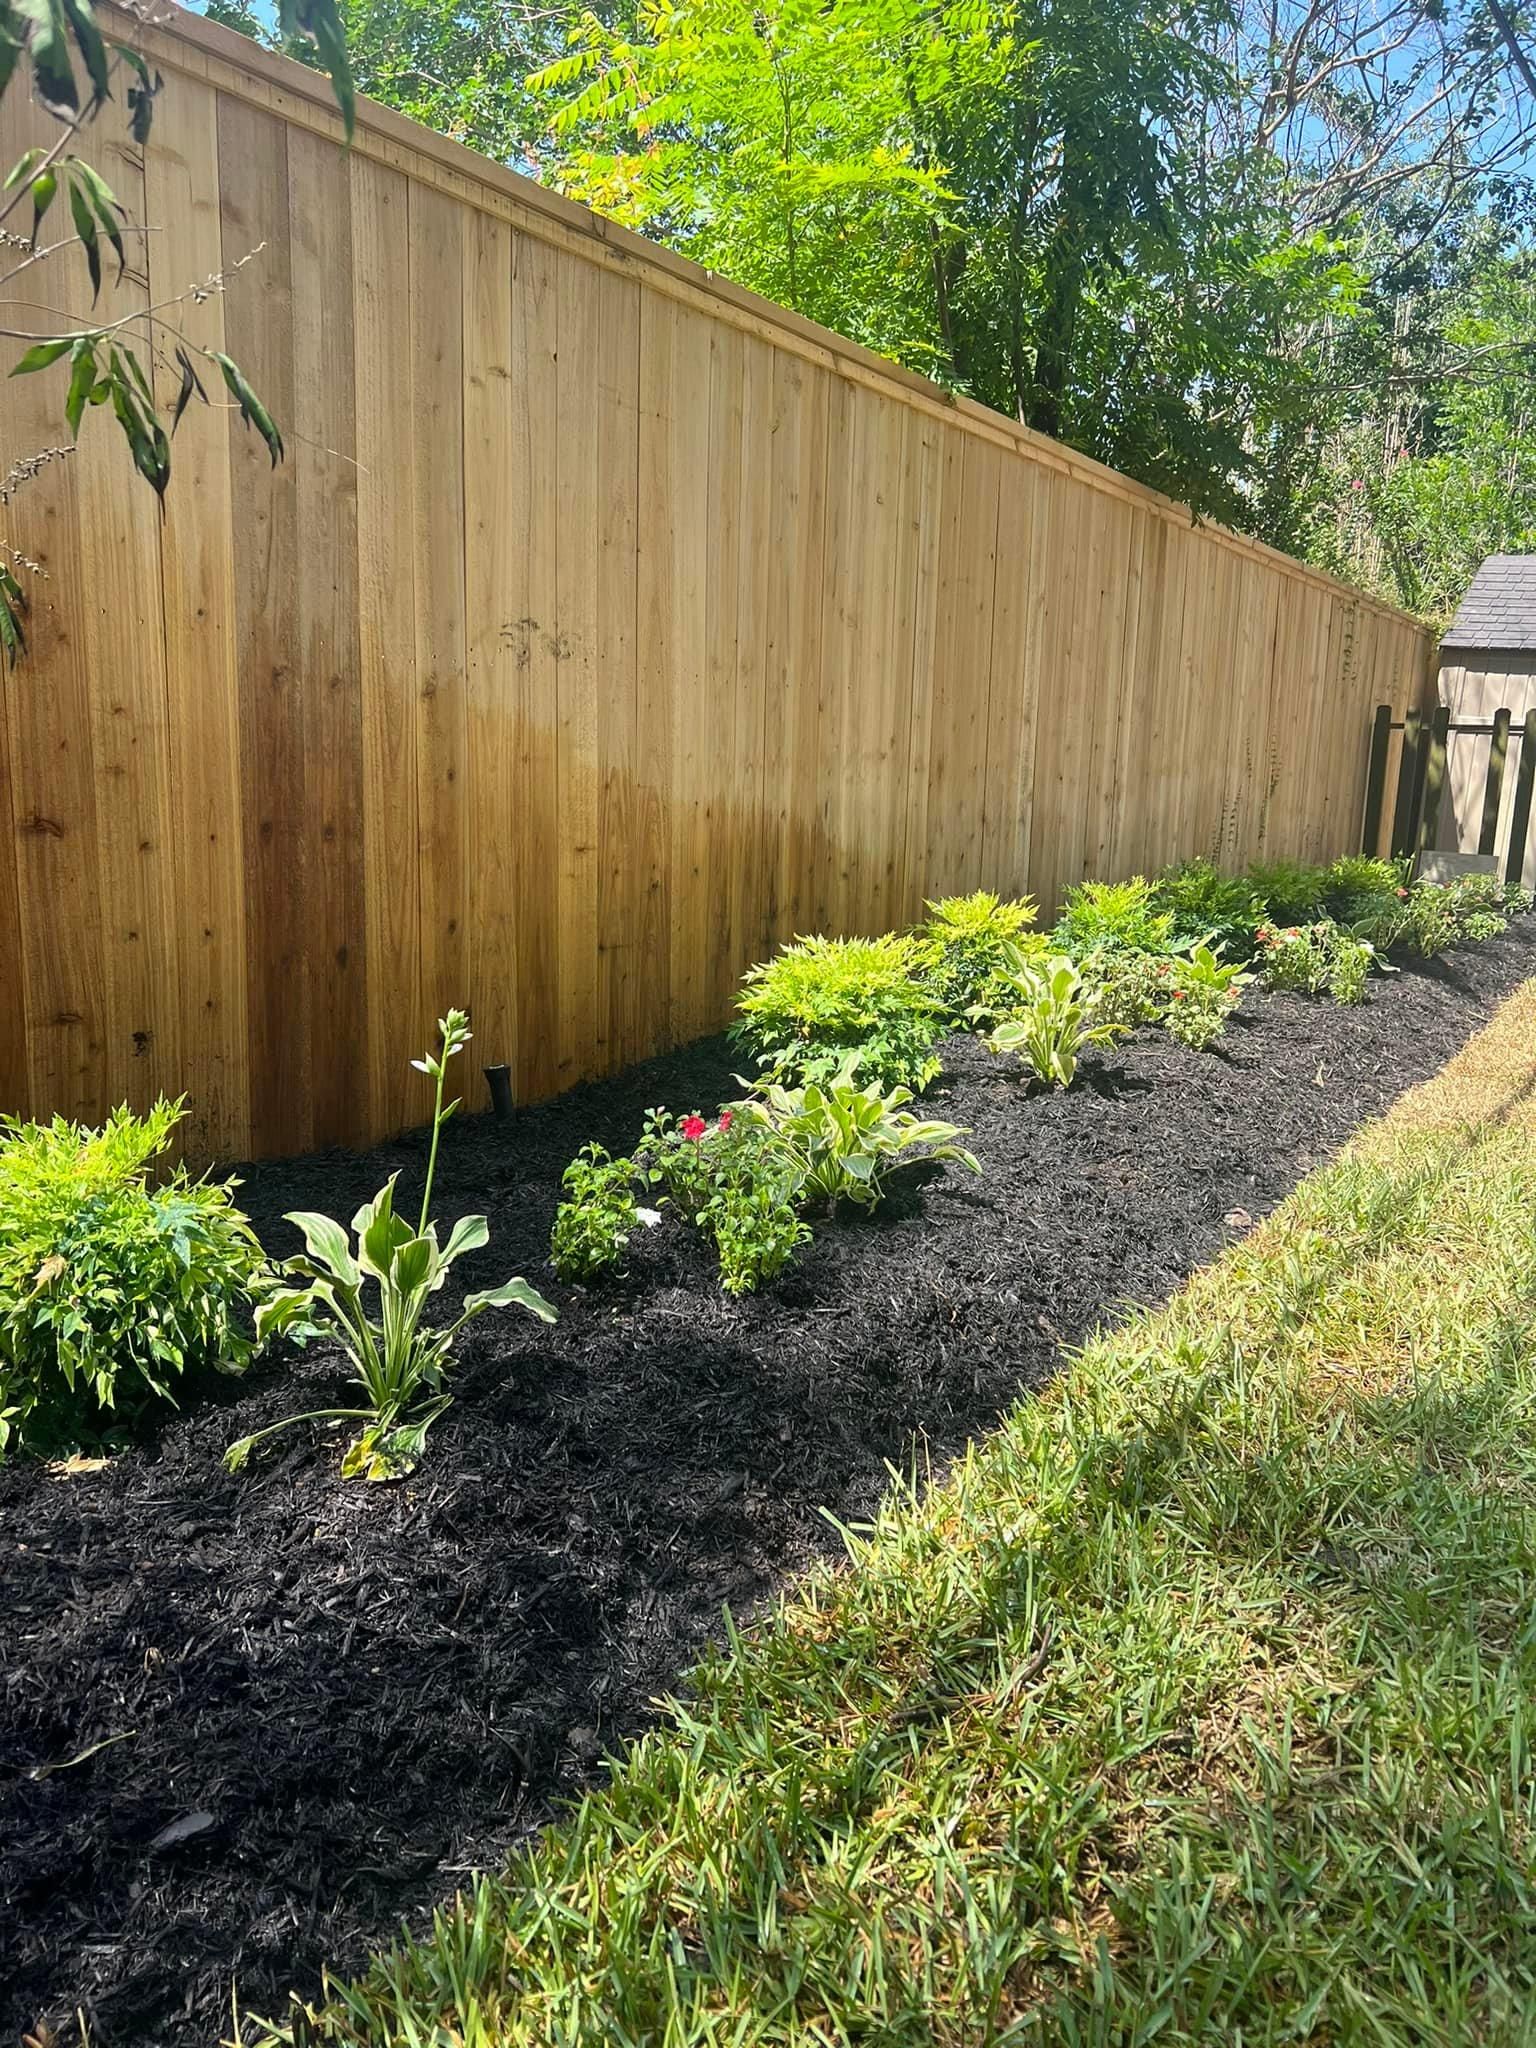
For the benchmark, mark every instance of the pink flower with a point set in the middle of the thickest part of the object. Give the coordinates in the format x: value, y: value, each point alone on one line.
x: 693, y: 1127
x: 725, y: 1119
x: 1357, y: 483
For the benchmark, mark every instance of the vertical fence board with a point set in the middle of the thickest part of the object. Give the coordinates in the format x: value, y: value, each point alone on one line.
x: 181, y: 203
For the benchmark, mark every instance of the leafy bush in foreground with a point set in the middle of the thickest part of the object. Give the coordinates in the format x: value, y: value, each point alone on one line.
x: 1113, y: 917
x: 975, y: 939
x: 399, y: 1360
x: 1202, y: 993
x: 818, y: 1000
x: 1055, y: 1015
x: 839, y: 1140
x: 1316, y: 958
x: 594, y: 1222
x: 110, y: 1288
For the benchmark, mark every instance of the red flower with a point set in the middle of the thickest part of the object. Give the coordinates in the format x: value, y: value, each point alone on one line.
x: 725, y: 1119
x: 1293, y: 933
x: 693, y: 1127
x: 1402, y: 892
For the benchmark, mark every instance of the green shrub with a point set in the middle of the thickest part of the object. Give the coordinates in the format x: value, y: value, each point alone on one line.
x: 1202, y: 992
x: 1292, y: 891
x: 1204, y: 904
x: 400, y: 1361
x: 693, y: 1160
x: 972, y: 941
x: 756, y: 1231
x: 1113, y: 917
x: 839, y: 1140
x: 1128, y: 989
x: 110, y: 1288
x: 818, y: 1000
x: 1055, y: 1015
x: 1316, y: 958
x: 595, y: 1221
x: 1360, y: 877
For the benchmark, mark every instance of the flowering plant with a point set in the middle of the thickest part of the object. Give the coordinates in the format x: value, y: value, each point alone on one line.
x: 692, y: 1158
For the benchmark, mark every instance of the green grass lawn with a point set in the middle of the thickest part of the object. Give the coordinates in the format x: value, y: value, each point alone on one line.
x: 1197, y: 1705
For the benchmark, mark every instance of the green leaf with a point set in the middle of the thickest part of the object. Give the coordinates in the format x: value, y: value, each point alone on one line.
x: 320, y: 21
x: 105, y: 205
x: 24, y: 164
x: 53, y: 75
x: 252, y: 411
x: 13, y: 604
x: 413, y: 1264
x: 326, y: 1242
x: 91, y: 44
x: 512, y: 1294
x: 82, y: 381
x: 190, y: 382
x: 85, y: 228
x: 467, y: 1235
x: 40, y: 355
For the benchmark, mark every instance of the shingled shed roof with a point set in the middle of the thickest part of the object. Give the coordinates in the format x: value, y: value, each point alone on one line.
x: 1500, y: 608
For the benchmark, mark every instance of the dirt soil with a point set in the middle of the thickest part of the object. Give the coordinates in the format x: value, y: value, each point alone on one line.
x: 321, y: 1705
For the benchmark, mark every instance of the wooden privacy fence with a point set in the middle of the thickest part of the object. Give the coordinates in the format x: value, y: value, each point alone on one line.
x: 604, y: 626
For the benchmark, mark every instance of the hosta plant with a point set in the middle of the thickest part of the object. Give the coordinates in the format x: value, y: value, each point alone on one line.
x: 112, y: 1287
x: 400, y: 1359
x: 819, y: 1000
x: 594, y: 1223
x: 840, y: 1140
x: 1055, y: 1014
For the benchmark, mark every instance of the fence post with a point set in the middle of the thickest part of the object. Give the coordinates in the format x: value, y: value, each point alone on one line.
x: 1376, y: 778
x: 1407, y: 778
x: 1433, y: 781
x: 1493, y: 789
x: 1520, y: 816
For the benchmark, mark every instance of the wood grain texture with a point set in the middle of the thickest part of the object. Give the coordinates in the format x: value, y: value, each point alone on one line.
x: 603, y: 628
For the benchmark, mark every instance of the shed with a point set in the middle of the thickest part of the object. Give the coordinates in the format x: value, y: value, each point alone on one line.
x: 1488, y: 663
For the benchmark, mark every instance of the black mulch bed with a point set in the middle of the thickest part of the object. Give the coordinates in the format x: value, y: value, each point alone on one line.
x: 342, y: 1698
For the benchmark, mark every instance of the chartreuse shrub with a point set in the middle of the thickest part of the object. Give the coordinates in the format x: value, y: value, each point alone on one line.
x: 974, y: 940
x: 1114, y: 917
x: 818, y: 1000
x: 398, y: 1358
x: 112, y: 1287
x: 1194, y: 1707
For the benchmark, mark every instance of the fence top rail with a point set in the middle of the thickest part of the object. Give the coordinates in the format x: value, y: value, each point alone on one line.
x: 233, y: 64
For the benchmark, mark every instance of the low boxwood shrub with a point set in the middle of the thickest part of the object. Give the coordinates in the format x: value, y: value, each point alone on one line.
x: 112, y: 1287
x: 819, y: 999
x: 1120, y: 917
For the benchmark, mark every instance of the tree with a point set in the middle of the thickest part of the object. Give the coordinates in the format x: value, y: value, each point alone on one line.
x: 1016, y: 198
x: 74, y: 69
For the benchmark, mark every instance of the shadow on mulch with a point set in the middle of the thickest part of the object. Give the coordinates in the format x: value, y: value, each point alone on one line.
x: 332, y: 1702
